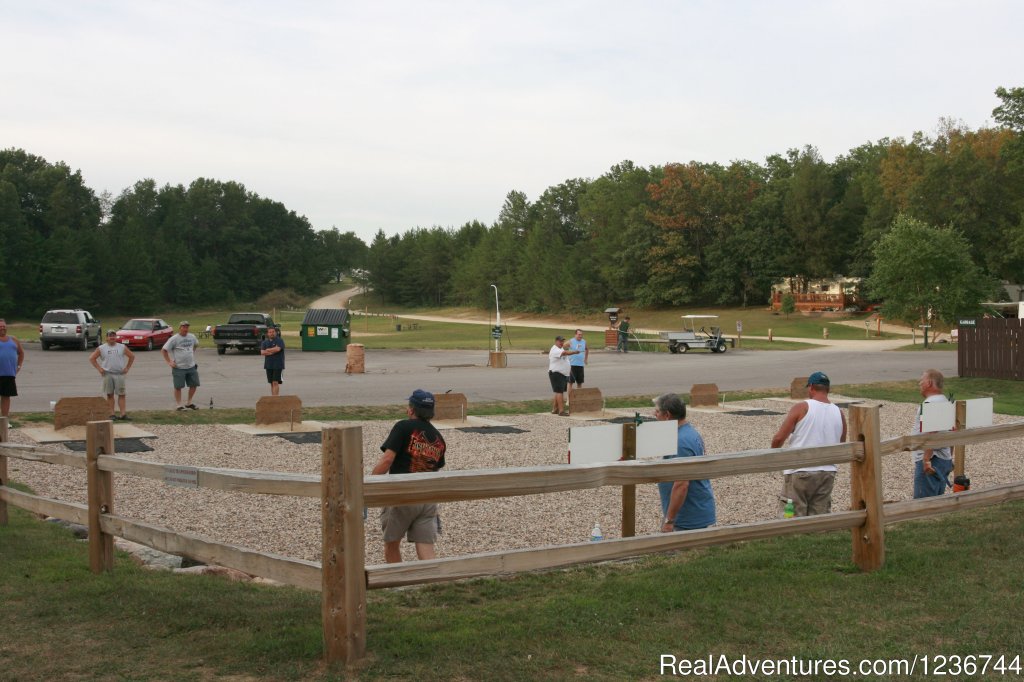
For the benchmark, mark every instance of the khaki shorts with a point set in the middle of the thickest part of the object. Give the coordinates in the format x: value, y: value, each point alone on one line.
x: 417, y: 522
x: 113, y: 384
x: 811, y: 491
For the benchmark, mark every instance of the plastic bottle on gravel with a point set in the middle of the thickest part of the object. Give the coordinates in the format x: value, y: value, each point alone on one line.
x: 595, y: 533
x: 789, y: 512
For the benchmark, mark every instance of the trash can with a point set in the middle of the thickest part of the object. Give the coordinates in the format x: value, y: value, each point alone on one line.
x: 398, y: 327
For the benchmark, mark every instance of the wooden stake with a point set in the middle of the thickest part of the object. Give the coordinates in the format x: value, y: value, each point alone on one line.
x: 628, y: 491
x: 3, y: 469
x: 99, y: 440
x: 866, y: 489
x: 960, y: 451
x: 343, y: 558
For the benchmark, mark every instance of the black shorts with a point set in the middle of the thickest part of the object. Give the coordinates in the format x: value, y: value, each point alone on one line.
x: 558, y: 381
x: 577, y: 374
x: 8, y: 387
x: 274, y: 375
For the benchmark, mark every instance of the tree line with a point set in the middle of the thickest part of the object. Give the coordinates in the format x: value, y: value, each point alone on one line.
x: 211, y: 242
x: 707, y: 233
x: 679, y: 234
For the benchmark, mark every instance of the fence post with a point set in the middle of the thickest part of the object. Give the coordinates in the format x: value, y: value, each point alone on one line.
x: 960, y: 451
x: 3, y: 469
x: 866, y: 489
x: 99, y: 440
x: 628, y: 491
x: 343, y: 560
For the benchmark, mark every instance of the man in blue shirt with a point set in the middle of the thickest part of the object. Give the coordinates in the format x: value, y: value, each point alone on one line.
x: 272, y: 350
x: 685, y: 505
x: 12, y: 356
x: 580, y: 360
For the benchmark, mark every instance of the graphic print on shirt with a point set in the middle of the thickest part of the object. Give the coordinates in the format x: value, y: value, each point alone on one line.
x: 425, y: 455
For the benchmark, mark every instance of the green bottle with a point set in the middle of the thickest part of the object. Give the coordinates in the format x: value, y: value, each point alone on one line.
x: 789, y: 512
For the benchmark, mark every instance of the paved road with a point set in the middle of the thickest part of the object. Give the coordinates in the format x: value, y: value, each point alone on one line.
x: 235, y: 380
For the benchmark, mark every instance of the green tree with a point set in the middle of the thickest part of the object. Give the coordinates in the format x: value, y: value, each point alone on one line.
x: 613, y: 215
x: 345, y: 251
x: 923, y: 272
x: 495, y: 258
x: 788, y: 306
x: 46, y: 217
x: 1010, y: 114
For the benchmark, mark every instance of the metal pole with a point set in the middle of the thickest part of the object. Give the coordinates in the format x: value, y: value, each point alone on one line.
x: 497, y: 309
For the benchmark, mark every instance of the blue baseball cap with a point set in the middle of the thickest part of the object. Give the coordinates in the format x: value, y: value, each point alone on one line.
x: 818, y: 379
x: 421, y: 398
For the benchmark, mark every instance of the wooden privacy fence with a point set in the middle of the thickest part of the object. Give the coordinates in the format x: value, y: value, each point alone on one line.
x: 343, y: 577
x: 991, y: 347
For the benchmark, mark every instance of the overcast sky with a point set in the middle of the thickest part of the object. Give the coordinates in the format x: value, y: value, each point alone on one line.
x: 395, y: 115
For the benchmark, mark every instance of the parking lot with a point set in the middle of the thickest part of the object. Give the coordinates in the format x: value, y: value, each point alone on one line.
x: 237, y: 380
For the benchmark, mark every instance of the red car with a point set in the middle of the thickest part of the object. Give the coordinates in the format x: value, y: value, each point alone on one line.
x: 145, y: 332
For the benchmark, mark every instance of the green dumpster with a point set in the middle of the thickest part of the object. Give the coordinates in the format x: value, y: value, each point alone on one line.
x: 325, y: 329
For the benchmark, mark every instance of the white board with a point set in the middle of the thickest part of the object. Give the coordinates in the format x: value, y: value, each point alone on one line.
x: 979, y: 412
x: 595, y: 444
x: 656, y: 439
x: 938, y: 417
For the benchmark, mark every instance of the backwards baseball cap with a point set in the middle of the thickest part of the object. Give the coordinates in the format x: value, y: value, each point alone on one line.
x: 559, y: 338
x: 421, y: 398
x: 111, y: 332
x: 183, y: 323
x: 818, y: 379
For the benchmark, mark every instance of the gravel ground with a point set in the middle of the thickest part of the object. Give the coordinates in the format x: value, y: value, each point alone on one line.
x: 291, y: 526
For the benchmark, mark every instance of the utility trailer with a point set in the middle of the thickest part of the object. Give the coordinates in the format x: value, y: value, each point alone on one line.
x: 707, y: 335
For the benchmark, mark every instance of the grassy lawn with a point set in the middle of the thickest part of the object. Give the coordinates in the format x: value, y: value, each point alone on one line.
x: 937, y: 347
x: 1008, y: 399
x: 379, y: 332
x: 756, y: 320
x: 1008, y: 396
x: 789, y: 597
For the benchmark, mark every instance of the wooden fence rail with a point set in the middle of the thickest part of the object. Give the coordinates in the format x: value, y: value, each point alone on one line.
x: 343, y: 576
x: 558, y: 556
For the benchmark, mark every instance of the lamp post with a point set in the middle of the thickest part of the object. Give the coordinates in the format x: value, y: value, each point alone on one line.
x: 496, y: 332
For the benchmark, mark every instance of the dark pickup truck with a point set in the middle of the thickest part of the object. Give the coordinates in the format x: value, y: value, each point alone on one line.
x: 243, y: 331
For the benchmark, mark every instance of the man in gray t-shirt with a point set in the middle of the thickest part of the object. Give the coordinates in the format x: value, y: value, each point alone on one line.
x: 113, y: 360
x: 180, y: 355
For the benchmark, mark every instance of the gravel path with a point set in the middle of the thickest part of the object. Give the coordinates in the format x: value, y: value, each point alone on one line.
x: 291, y: 526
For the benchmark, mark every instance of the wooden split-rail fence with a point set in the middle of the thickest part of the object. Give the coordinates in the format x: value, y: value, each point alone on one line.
x: 343, y: 577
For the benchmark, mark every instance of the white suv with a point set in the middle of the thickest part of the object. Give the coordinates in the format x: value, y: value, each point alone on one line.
x: 76, y: 328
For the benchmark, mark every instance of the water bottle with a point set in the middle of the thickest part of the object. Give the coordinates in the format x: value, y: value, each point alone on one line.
x: 789, y: 512
x: 595, y: 533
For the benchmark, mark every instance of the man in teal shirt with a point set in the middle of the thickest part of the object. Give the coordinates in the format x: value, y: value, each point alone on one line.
x: 685, y: 505
x: 579, y: 361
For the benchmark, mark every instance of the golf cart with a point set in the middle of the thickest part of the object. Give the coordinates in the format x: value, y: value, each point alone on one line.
x: 708, y: 336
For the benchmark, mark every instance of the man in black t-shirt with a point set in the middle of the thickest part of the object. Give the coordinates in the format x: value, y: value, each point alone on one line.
x: 413, y: 446
x: 272, y: 350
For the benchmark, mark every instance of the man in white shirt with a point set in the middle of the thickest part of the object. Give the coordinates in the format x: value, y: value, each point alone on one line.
x: 815, y: 421
x: 180, y: 355
x: 113, y: 360
x: 558, y: 373
x: 931, y: 467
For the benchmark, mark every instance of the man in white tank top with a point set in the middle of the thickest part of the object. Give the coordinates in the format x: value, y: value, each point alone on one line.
x: 815, y: 421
